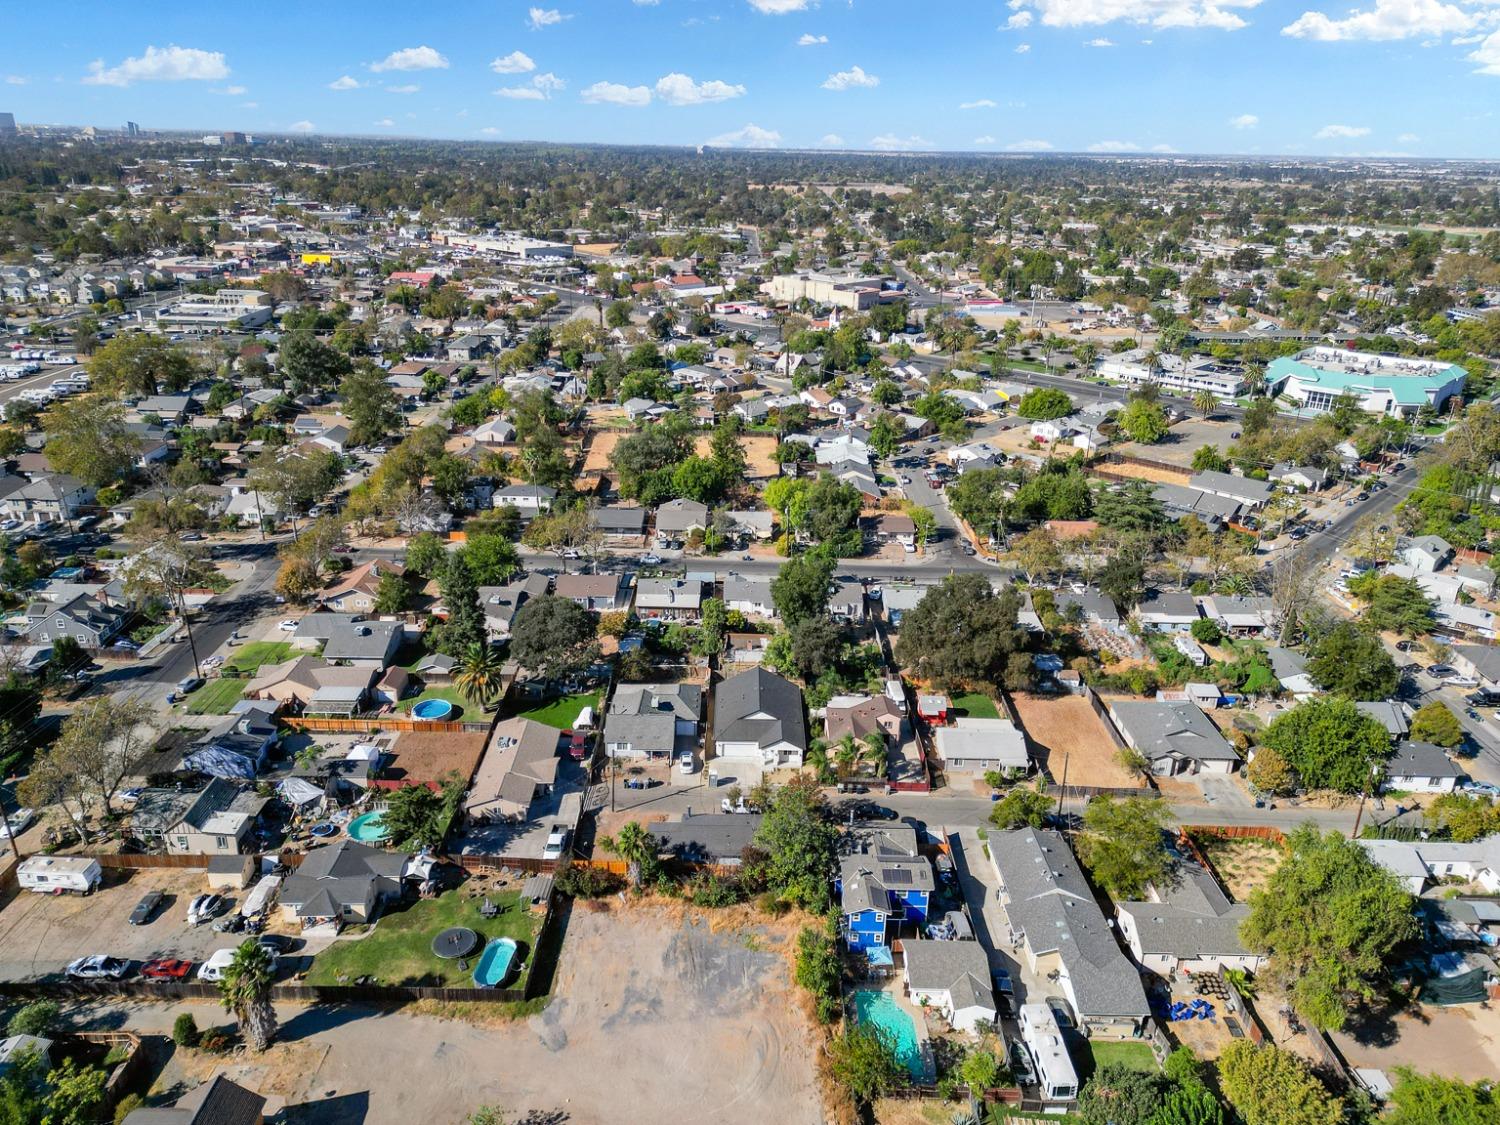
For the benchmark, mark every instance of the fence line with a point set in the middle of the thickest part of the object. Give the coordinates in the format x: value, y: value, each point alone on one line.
x: 375, y: 725
x: 306, y: 993
x: 1239, y: 831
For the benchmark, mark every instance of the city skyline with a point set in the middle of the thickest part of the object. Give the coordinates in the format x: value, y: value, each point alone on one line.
x: 1273, y: 79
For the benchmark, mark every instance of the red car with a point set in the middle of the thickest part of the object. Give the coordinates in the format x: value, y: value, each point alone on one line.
x: 166, y: 968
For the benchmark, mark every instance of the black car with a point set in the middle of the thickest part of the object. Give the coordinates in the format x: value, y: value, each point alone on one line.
x: 146, y: 908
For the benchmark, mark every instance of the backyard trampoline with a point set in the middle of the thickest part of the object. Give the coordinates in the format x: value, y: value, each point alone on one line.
x: 454, y: 942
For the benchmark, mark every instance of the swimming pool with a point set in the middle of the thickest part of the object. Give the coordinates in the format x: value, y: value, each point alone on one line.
x: 432, y: 709
x: 368, y: 828
x: 879, y: 1008
x: 494, y: 964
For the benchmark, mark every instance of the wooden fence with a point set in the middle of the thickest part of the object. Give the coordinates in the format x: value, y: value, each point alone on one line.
x: 383, y: 723
x: 1239, y: 832
x: 302, y: 993
x: 124, y: 1075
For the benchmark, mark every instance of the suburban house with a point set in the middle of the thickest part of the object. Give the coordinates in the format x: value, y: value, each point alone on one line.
x: 601, y: 593
x: 528, y: 499
x: 216, y: 1102
x: 216, y: 820
x: 343, y: 883
x: 1057, y: 923
x: 1426, y: 553
x: 976, y: 746
x: 619, y: 524
x: 519, y: 765
x: 55, y: 498
x: 668, y: 599
x: 1246, y: 491
x: 758, y: 717
x: 676, y: 519
x: 886, y: 882
x: 496, y: 431
x: 1388, y: 713
x: 1420, y: 767
x: 900, y: 598
x: 501, y: 603
x: 1304, y: 478
x: 237, y: 745
x: 952, y: 977
x: 646, y: 720
x: 366, y: 644
x: 1186, y: 924
x: 1290, y: 670
x: 719, y: 838
x: 357, y: 590
x: 1174, y: 737
x: 859, y: 716
x: 1241, y: 615
x: 1416, y: 862
x: 1481, y: 662
x: 84, y: 618
x: 847, y: 602
x: 1167, y: 612
x: 750, y: 596
x: 1095, y: 608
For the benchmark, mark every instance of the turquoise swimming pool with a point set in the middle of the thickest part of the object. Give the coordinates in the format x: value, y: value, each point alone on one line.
x: 879, y: 1008
x: 494, y: 964
x: 369, y: 828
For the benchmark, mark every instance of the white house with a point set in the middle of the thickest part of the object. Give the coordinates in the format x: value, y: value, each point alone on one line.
x: 1187, y: 924
x: 952, y: 977
x: 1420, y: 767
x: 758, y: 718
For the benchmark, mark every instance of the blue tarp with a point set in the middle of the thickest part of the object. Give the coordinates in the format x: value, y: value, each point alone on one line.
x: 879, y: 956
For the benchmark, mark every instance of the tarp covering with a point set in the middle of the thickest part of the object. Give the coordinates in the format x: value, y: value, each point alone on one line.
x: 219, y: 762
x: 294, y: 791
x: 1450, y: 979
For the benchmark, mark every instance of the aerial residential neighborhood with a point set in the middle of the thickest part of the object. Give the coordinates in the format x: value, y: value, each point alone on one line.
x: 685, y: 622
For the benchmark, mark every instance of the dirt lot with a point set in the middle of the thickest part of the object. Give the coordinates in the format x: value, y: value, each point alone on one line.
x: 1066, y: 724
x: 40, y: 934
x: 423, y: 758
x: 601, y: 445
x: 1184, y: 440
x: 1461, y: 1042
x: 1243, y: 865
x: 655, y: 1018
x: 760, y: 454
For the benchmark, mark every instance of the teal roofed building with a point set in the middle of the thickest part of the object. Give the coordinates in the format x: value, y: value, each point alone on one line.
x: 1396, y: 386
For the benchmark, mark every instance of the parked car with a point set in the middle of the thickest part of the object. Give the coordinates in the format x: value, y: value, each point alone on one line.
x: 557, y: 842
x: 289, y: 625
x: 146, y: 908
x: 16, y: 823
x: 189, y: 684
x: 98, y: 967
x: 204, y: 908
x: 685, y: 763
x: 1020, y: 1064
x: 650, y: 559
x: 166, y: 968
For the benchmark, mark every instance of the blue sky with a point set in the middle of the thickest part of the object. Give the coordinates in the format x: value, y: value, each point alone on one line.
x: 1301, y: 77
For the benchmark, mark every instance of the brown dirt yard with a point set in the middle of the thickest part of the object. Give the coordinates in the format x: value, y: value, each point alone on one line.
x: 1461, y: 1042
x: 1066, y: 725
x: 760, y: 454
x: 658, y: 1015
x: 1243, y: 865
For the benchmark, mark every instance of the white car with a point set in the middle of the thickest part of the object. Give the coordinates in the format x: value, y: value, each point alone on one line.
x: 557, y: 842
x: 685, y: 764
x: 9, y: 525
x: 98, y: 967
x: 289, y: 625
x: 16, y: 823
x: 650, y: 560
x: 204, y: 908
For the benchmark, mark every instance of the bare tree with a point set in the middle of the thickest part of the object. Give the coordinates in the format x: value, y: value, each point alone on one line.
x: 1291, y: 582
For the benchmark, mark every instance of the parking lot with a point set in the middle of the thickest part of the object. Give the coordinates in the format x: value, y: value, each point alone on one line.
x: 40, y: 934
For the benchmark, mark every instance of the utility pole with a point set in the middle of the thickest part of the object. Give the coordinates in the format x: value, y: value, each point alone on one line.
x: 1063, y: 788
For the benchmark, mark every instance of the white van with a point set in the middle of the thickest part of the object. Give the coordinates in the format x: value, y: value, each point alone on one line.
x: 212, y: 970
x: 1054, y: 1066
x: 60, y: 874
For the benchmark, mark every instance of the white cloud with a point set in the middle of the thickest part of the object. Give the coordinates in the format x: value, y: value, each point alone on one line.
x: 751, y: 136
x: 1408, y: 138
x: 1022, y: 48
x: 979, y: 103
x: 490, y: 131
x: 1029, y: 146
x: 539, y: 18
x: 679, y: 89
x: 1154, y: 13
x: 646, y: 3
x: 1162, y: 148
x: 1244, y: 121
x: 301, y: 127
x: 778, y: 7
x: 1487, y: 55
x: 613, y: 93
x: 233, y: 91
x: 409, y: 88
x: 160, y: 64
x: 984, y: 140
x: 808, y: 39
x: 889, y: 142
x: 542, y: 87
x: 848, y: 79
x: 832, y: 139
x: 344, y: 83
x: 1100, y: 43
x: 16, y: 80
x: 412, y: 58
x: 1114, y: 146
x: 1389, y: 19
x: 517, y: 62
x: 1341, y: 132
x: 385, y: 123
x: 1018, y: 20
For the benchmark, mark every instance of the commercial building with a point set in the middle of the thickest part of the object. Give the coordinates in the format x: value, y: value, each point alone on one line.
x: 509, y: 243
x: 1396, y: 386
x: 855, y: 292
x: 1173, y: 373
x: 224, y: 311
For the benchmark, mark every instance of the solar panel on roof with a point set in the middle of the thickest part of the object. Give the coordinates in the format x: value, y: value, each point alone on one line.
x: 895, y: 876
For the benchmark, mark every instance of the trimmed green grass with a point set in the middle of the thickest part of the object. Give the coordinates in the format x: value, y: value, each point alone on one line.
x: 463, y: 706
x: 215, y: 697
x: 563, y: 713
x: 398, y: 951
x: 975, y: 705
x: 249, y: 658
x: 1131, y: 1053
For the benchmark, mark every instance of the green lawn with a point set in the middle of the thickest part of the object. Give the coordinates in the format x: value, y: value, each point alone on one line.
x: 215, y: 697
x: 249, y: 658
x: 975, y: 705
x: 398, y: 951
x: 563, y: 713
x: 1131, y: 1053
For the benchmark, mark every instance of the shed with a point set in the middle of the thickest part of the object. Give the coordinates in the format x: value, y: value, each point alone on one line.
x: 230, y: 872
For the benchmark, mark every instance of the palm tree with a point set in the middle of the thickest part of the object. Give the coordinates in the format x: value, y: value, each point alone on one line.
x: 817, y: 758
x: 1236, y: 584
x: 478, y: 673
x: 635, y: 846
x: 874, y: 749
x: 846, y: 755
x: 1255, y: 377
x: 1205, y: 402
x: 245, y: 990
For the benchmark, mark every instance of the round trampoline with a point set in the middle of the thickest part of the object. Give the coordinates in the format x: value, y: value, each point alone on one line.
x: 455, y: 942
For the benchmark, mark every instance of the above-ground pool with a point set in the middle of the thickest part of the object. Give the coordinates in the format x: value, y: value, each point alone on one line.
x: 878, y: 1008
x: 494, y: 964
x: 432, y: 709
x: 368, y: 828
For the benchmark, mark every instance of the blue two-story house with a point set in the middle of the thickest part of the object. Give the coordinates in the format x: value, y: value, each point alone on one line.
x: 884, y: 883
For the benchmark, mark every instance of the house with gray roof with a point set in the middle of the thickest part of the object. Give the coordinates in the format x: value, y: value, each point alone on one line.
x: 1060, y: 929
x: 1481, y: 662
x: 616, y: 522
x: 652, y: 720
x: 668, y: 599
x: 719, y: 838
x: 1420, y: 767
x: 1388, y: 713
x: 519, y: 764
x: 364, y: 644
x: 1186, y: 923
x: 758, y: 718
x: 1095, y: 606
x: 1174, y: 737
x: 1246, y: 491
x: 1169, y: 611
x: 750, y: 595
x: 677, y: 518
x: 1426, y: 553
x: 601, y: 593
x: 342, y: 883
x: 1290, y: 669
x: 217, y: 1102
x: 952, y: 977
x: 1179, y: 501
x: 501, y: 603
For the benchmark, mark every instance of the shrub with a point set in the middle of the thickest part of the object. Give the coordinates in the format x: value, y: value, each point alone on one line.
x: 1206, y: 631
x: 185, y: 1030
x: 37, y: 1018
x: 117, y: 1055
x: 127, y: 1105
x: 712, y: 891
x: 214, y: 1041
x: 580, y: 881
x: 817, y: 970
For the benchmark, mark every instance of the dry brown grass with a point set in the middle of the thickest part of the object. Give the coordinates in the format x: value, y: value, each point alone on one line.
x: 1065, y: 726
x: 1243, y: 864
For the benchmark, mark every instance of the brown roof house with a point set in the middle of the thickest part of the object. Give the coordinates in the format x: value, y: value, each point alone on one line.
x: 519, y: 765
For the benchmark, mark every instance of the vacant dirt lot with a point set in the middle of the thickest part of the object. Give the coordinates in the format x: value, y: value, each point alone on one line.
x: 760, y: 453
x: 1184, y: 440
x: 601, y: 445
x: 1065, y: 725
x: 1243, y: 865
x: 1461, y: 1042
x: 655, y: 1018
